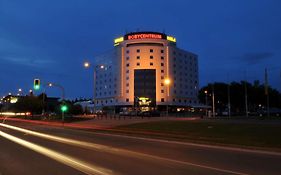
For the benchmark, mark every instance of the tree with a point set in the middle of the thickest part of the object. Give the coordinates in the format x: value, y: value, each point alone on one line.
x: 28, y: 104
x: 255, y: 93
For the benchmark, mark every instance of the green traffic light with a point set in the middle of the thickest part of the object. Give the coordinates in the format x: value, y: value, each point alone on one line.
x: 36, y: 87
x: 64, y: 108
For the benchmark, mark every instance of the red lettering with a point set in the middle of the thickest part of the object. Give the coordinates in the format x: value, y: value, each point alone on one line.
x: 145, y: 36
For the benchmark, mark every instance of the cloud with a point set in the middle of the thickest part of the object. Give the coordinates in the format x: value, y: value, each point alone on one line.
x: 255, y: 58
x: 29, y: 61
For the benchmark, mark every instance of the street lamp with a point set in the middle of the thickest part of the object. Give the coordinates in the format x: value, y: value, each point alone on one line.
x: 88, y: 65
x: 19, y: 92
x: 206, y: 101
x: 167, y: 82
x: 63, y: 107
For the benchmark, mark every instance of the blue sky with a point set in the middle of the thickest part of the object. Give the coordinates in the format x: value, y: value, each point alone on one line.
x: 235, y: 39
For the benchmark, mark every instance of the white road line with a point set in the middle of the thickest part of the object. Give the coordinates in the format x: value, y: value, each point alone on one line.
x: 227, y: 148
x: 67, y: 160
x: 113, y: 150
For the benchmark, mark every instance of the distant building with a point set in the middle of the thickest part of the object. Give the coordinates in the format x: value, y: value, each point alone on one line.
x: 146, y: 68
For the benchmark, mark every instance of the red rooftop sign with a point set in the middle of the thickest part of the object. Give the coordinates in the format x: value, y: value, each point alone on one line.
x: 132, y: 36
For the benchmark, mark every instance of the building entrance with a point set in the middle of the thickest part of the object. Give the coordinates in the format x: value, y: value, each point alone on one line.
x: 145, y: 87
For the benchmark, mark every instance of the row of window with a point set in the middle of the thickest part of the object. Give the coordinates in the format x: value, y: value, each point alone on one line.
x: 162, y: 51
x: 138, y: 64
x: 139, y: 57
x: 150, y: 50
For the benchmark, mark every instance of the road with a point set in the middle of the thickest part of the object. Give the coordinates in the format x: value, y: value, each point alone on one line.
x: 44, y: 150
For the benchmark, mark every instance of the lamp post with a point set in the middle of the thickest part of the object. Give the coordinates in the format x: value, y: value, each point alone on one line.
x: 213, y: 100
x: 88, y: 65
x: 206, y: 101
x: 62, y: 95
x: 19, y: 91
x: 167, y: 82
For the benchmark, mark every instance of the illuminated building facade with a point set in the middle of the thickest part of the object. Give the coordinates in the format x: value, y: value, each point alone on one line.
x: 147, y: 65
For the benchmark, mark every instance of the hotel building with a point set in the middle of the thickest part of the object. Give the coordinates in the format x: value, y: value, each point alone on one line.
x: 147, y: 68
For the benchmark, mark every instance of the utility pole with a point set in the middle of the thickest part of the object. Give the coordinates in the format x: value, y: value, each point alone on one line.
x: 266, y: 90
x: 228, y: 99
x: 228, y: 96
x: 213, y: 100
x: 246, y: 95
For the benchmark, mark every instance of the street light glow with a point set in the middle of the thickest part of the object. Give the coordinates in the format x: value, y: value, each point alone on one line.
x: 167, y: 81
x: 86, y: 64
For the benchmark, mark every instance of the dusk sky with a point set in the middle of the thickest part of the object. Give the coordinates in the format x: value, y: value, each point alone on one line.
x: 51, y: 39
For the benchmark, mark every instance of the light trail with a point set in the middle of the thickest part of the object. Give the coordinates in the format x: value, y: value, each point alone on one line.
x: 115, y: 151
x: 67, y: 160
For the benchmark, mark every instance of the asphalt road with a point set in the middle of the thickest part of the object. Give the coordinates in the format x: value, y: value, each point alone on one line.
x: 45, y: 150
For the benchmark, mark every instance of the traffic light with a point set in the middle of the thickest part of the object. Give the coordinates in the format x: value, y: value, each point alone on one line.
x: 36, y: 84
x: 63, y: 108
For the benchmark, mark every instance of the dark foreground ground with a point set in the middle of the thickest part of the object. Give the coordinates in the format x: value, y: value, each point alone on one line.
x: 72, y: 151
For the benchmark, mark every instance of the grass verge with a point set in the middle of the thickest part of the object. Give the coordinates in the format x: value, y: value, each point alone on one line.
x: 242, y: 134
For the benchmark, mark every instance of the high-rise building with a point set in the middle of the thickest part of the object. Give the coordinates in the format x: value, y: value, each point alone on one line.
x: 146, y: 68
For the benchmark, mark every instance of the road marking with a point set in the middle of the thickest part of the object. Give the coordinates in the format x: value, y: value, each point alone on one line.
x: 67, y: 160
x: 227, y: 148
x: 113, y: 150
